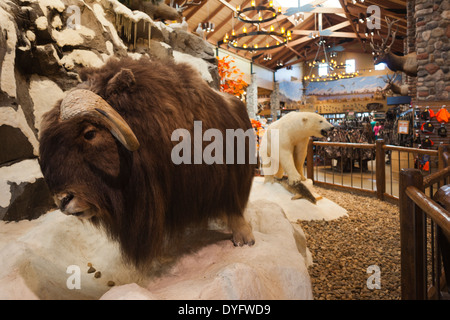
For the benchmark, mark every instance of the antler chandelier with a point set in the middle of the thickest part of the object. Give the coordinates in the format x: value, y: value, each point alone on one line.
x: 256, y: 15
x: 330, y: 64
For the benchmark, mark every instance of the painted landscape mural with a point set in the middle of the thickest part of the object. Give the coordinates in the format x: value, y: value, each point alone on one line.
x: 358, y: 86
x: 329, y: 96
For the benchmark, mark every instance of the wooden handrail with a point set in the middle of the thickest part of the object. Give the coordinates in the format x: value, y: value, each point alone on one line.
x: 345, y: 144
x: 411, y: 150
x: 379, y: 149
x: 436, y: 177
x: 372, y: 146
x: 433, y: 210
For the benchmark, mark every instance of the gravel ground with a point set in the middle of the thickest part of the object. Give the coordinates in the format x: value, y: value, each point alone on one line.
x: 343, y: 250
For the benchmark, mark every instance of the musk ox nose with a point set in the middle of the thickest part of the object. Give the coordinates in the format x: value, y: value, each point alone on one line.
x: 65, y: 201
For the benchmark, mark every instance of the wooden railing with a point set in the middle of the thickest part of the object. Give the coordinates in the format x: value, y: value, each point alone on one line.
x: 423, y: 243
x: 424, y: 223
x: 310, y: 166
x: 382, y: 178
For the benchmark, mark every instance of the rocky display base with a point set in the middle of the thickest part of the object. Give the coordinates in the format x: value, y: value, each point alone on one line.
x: 40, y: 259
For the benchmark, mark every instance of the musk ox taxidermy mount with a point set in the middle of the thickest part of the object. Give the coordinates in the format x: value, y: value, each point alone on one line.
x: 105, y: 153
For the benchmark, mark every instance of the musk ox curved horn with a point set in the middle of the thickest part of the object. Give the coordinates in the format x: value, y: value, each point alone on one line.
x: 85, y: 102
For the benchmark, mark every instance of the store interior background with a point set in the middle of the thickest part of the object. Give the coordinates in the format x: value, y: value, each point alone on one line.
x: 290, y: 79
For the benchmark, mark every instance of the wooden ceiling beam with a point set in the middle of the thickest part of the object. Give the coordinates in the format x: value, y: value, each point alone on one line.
x: 308, y: 22
x: 305, y: 24
x: 335, y: 34
x: 357, y: 8
x: 213, y: 14
x: 390, y: 4
x: 349, y: 17
x: 194, y: 10
x: 312, y: 55
x: 217, y: 10
x: 307, y: 14
x: 321, y: 10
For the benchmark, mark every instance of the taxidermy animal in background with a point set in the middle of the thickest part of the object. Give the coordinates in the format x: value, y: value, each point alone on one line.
x: 406, y: 64
x: 158, y: 10
x: 182, y: 26
x: 293, y: 131
x: 106, y: 154
x: 401, y: 89
x: 199, y: 31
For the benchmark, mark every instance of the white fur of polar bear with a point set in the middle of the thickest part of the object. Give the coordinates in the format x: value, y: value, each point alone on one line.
x: 294, y: 130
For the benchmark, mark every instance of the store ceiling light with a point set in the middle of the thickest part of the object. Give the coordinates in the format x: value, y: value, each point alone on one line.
x: 258, y: 15
x: 331, y: 64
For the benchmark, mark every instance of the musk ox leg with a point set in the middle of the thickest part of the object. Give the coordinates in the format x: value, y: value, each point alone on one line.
x: 242, y: 231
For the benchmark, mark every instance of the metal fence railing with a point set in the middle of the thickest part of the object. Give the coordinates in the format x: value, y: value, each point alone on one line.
x: 367, y: 168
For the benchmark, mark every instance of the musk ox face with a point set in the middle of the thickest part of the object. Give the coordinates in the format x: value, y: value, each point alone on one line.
x: 87, y: 138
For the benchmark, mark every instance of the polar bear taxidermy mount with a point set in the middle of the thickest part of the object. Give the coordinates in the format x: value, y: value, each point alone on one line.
x: 284, y: 148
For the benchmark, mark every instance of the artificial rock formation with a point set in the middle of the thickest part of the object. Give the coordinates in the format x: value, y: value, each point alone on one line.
x: 43, y: 46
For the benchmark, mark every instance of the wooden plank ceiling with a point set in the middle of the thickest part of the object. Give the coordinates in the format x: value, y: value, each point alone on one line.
x: 340, y: 25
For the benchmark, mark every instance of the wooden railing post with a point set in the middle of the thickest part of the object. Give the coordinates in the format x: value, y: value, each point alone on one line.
x: 441, y: 157
x: 380, y: 169
x: 310, y: 160
x: 413, y: 264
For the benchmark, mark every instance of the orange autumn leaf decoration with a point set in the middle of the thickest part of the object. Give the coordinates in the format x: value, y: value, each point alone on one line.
x: 231, y: 78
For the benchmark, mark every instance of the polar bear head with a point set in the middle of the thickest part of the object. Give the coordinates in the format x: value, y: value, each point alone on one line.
x: 313, y: 124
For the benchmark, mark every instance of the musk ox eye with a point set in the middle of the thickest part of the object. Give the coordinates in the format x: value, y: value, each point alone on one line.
x: 89, y: 135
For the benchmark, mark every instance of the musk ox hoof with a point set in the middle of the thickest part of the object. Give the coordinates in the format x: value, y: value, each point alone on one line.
x: 243, y: 235
x: 239, y: 240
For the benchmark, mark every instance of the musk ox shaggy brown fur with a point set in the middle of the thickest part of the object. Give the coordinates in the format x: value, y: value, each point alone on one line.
x: 105, y: 153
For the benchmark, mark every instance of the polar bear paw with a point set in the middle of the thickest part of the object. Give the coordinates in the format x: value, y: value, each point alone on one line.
x: 294, y: 180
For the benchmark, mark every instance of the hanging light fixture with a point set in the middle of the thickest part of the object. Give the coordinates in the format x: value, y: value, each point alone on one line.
x: 259, y: 11
x: 331, y: 65
x: 208, y: 26
x: 267, y: 57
